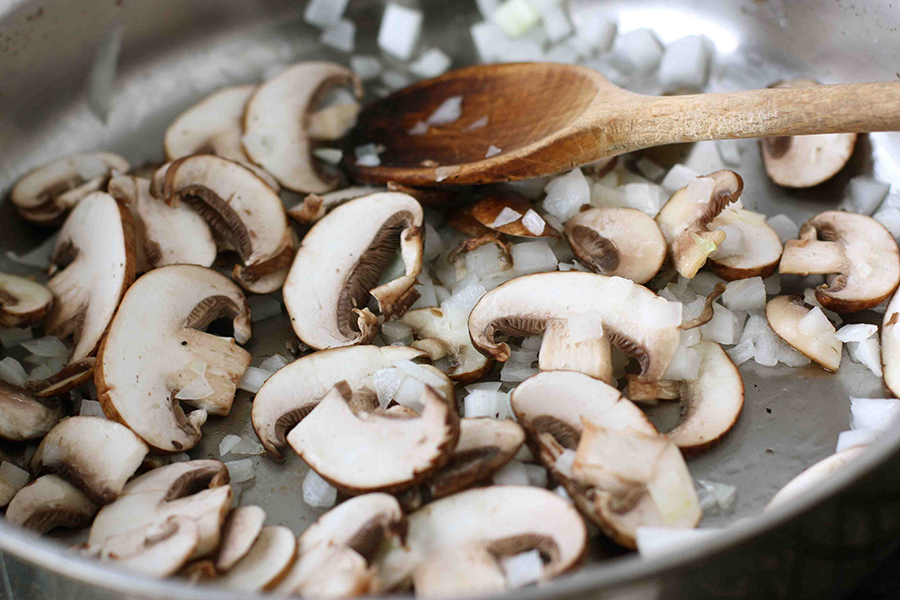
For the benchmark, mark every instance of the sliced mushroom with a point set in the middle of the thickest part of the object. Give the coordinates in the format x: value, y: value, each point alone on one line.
x: 156, y: 346
x: 22, y: 301
x: 399, y: 451
x: 803, y: 161
x: 434, y: 335
x: 196, y: 490
x: 335, y: 270
x: 50, y: 502
x: 481, y: 216
x: 167, y: 547
x: 24, y: 417
x: 685, y: 219
x: 471, y: 570
x: 268, y: 560
x: 563, y: 305
x: 712, y: 402
x: 314, y: 206
x: 815, y: 475
x: 240, y: 208
x: 96, y: 252
x: 66, y: 379
x: 761, y: 249
x: 617, y: 241
x: 214, y: 126
x: 294, y: 390
x: 274, y: 281
x: 890, y: 345
x: 784, y: 314
x: 276, y: 122
x: 200, y: 570
x: 504, y: 520
x: 45, y: 194
x: 857, y: 253
x: 96, y: 455
x: 167, y: 235
x: 329, y: 572
x: 362, y: 523
x: 241, y: 530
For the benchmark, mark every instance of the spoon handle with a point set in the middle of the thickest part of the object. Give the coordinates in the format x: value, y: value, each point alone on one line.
x: 842, y: 108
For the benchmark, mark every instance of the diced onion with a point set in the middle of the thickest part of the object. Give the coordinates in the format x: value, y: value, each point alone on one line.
x: 228, y: 443
x: 317, y: 492
x: 240, y: 470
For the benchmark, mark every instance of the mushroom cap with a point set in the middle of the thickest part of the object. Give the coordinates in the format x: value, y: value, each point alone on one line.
x: 22, y: 301
x: 784, y: 314
x: 762, y: 246
x: 25, y: 417
x: 467, y: 364
x: 98, y: 239
x: 617, y: 241
x: 399, y: 451
x: 276, y: 119
x: 504, y: 519
x: 633, y: 318
x: 857, y: 252
x: 269, y: 559
x: 362, y: 523
x: 802, y: 161
x: 240, y: 531
x: 138, y: 375
x: 890, y: 345
x: 684, y: 220
x: 478, y: 218
x: 96, y: 455
x: 168, y: 547
x: 46, y: 193
x: 50, y: 502
x: 815, y: 475
x: 333, y: 274
x: 294, y: 390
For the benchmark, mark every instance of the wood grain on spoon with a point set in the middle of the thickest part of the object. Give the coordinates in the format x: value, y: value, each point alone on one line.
x: 548, y: 118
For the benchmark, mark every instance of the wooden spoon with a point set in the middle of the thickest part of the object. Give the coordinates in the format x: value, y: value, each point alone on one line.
x: 548, y: 118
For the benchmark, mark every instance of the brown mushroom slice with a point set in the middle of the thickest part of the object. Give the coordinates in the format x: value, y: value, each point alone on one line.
x: 563, y: 305
x: 45, y: 194
x: 803, y: 161
x: 24, y: 417
x: 167, y: 235
x: 784, y: 314
x: 328, y: 572
x: 712, y: 402
x: 139, y: 377
x: 240, y: 531
x: 167, y: 547
x: 434, y: 335
x: 685, y: 219
x: 617, y: 241
x: 315, y: 206
x: 66, y: 379
x: 276, y: 121
x: 504, y: 204
x: 504, y: 519
x: 813, y: 476
x: 471, y: 570
x: 857, y: 253
x: 269, y: 559
x: 400, y: 451
x: 95, y: 251
x: 362, y: 523
x: 240, y: 208
x: 274, y: 281
x: 50, y: 502
x: 97, y: 455
x: 294, y: 390
x: 761, y: 246
x: 195, y: 490
x: 328, y: 288
x: 890, y: 345
x: 22, y: 301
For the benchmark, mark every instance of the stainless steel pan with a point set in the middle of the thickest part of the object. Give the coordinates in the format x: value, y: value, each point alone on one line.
x: 176, y: 51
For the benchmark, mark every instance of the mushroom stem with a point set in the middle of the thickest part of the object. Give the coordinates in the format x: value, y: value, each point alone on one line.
x: 559, y: 353
x: 812, y: 257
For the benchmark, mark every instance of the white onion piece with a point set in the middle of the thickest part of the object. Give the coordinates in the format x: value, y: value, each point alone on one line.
x: 515, y: 17
x: 323, y: 13
x: 645, y: 197
x: 742, y: 352
x: 457, y: 307
x: 399, y: 31
x: 432, y: 63
x: 367, y: 155
x: 729, y: 151
x: 91, y: 408
x: 514, y: 372
x: 228, y: 443
x: 492, y: 151
x: 745, y: 294
x: 873, y: 413
x: 566, y: 195
x: 856, y: 332
x: 506, y: 216
x: 723, y: 328
x: 678, y: 177
x: 867, y: 352
x: 263, y: 307
x: 240, y: 470
x: 512, y: 473
x: 773, y: 284
x: 196, y: 389
x: 47, y: 346
x: 485, y: 386
x: 317, y: 492
x: 638, y: 50
x: 409, y: 394
x: 784, y: 227
x: 11, y: 371
x: 685, y: 64
x: 246, y: 446
x: 366, y: 67
x: 564, y: 461
x: 339, y: 36
x: 253, y: 379
x: 533, y: 222
x: 666, y: 541
x: 867, y: 193
x: 815, y: 323
x: 14, y: 336
x: 448, y: 112
x: 486, y: 403
x: 856, y: 437
x: 424, y: 375
x: 522, y: 569
x: 13, y: 475
x: 38, y: 257
x: 725, y: 495
x: 386, y: 383
x: 533, y: 257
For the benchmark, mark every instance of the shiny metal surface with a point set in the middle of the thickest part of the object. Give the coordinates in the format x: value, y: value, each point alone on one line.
x: 176, y: 51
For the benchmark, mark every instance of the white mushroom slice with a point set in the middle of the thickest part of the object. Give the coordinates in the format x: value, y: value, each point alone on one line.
x: 328, y: 572
x: 139, y: 376
x: 50, y: 502
x: 890, y: 346
x: 812, y: 477
x: 563, y: 305
x: 214, y: 126
x: 96, y: 455
x: 434, y: 334
x: 471, y: 570
x: 504, y: 519
x: 761, y: 249
x: 399, y: 451
x: 617, y: 241
x: 195, y: 490
x: 314, y: 206
x: 22, y: 301
x: 239, y: 207
x: 362, y: 523
x: 685, y: 219
x: 328, y: 288
x: 45, y: 194
x: 241, y: 530
x: 803, y: 161
x: 274, y: 281
x: 96, y: 251
x: 269, y: 559
x: 166, y: 235
x: 276, y: 121
x: 784, y: 314
x: 712, y: 402
x: 167, y: 547
x: 294, y: 390
x: 24, y: 417
x: 857, y: 253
